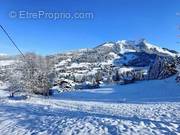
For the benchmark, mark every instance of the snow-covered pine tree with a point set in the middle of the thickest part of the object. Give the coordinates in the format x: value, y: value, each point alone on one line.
x: 178, y: 69
x: 162, y: 68
x: 116, y: 76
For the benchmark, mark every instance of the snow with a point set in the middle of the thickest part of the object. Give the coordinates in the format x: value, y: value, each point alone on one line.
x: 63, y: 62
x: 145, y: 91
x: 129, y: 42
x: 127, y: 58
x: 6, y: 62
x: 79, y: 65
x: 3, y: 54
x: 125, y: 50
x: 136, y: 43
x: 128, y: 69
x: 2, y: 85
x: 125, y: 69
x: 108, y: 44
x: 114, y: 55
x: 92, y: 72
x: 147, y: 107
x: 151, y: 46
x: 108, y: 62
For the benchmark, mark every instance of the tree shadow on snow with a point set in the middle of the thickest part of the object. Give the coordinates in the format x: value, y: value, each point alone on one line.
x: 42, y: 118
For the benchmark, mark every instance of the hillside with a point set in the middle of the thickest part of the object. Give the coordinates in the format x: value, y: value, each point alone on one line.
x: 137, y: 93
x: 109, y: 61
x: 149, y: 107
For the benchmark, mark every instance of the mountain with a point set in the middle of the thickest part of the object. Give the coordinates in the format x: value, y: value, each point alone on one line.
x: 123, y: 61
x: 124, y: 49
x: 142, y: 45
x: 112, y: 61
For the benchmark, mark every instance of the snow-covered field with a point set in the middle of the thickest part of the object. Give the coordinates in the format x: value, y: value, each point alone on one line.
x: 149, y: 107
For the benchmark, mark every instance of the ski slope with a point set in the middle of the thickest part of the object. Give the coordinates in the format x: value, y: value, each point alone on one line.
x: 145, y: 108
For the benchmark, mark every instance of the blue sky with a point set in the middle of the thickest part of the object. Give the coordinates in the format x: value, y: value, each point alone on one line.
x: 113, y: 20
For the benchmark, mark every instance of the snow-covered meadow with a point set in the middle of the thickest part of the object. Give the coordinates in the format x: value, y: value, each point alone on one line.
x: 148, y: 107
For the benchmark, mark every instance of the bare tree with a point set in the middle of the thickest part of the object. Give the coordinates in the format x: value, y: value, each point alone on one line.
x: 31, y: 75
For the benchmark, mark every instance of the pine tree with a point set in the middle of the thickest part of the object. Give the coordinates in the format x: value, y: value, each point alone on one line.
x: 162, y: 68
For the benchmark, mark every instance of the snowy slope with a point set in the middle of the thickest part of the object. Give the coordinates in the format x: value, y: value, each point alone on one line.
x: 151, y: 46
x: 51, y: 117
x: 142, y: 91
x: 125, y: 46
x: 111, y: 110
x: 6, y: 62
